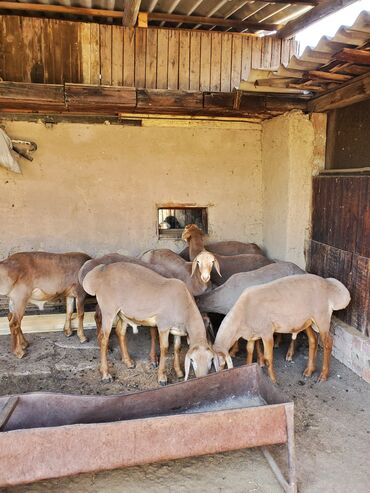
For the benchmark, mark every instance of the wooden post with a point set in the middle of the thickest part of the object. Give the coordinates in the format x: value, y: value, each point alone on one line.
x: 130, y: 12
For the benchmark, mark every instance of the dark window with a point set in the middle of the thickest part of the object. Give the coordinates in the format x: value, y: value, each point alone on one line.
x: 172, y: 220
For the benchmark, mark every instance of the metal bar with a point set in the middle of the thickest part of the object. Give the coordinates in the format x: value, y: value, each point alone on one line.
x: 7, y: 410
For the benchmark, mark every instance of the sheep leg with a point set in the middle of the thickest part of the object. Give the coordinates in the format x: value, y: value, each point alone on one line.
x: 235, y: 349
x: 250, y: 351
x: 327, y: 342
x: 312, y: 350
x: 17, y: 306
x: 260, y: 355
x: 121, y: 328
x: 291, y: 350
x: 277, y: 340
x: 104, y: 333
x: 153, y: 347
x: 176, y: 361
x: 163, y: 343
x: 80, y: 306
x: 69, y: 309
x: 268, y: 346
x: 98, y: 321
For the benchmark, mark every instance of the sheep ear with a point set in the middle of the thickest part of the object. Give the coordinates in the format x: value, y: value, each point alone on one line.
x: 187, y: 367
x: 216, y: 363
x: 193, y: 267
x: 229, y: 362
x: 217, y: 267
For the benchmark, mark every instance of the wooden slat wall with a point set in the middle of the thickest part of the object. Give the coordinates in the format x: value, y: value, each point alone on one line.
x: 53, y: 51
x: 340, y: 245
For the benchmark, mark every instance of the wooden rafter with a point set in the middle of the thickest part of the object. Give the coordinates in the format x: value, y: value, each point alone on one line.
x: 59, y: 9
x: 351, y: 92
x: 130, y: 12
x: 210, y: 21
x: 324, y: 8
x: 352, y: 55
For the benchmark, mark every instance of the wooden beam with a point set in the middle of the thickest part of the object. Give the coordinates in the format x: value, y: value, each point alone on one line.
x: 324, y: 8
x: 59, y: 9
x: 330, y: 76
x: 353, y: 55
x: 210, y: 21
x: 130, y: 12
x: 142, y: 19
x: 351, y: 92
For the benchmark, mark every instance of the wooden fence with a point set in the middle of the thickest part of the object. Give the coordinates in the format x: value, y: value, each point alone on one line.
x: 340, y: 245
x: 53, y: 51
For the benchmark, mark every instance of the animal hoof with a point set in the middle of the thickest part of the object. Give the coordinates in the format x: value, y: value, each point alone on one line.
x: 307, y: 373
x: 107, y: 378
x: 84, y: 339
x: 131, y: 365
x: 288, y: 357
x: 163, y: 383
x: 19, y: 354
x: 154, y: 364
x: 322, y: 378
x: 68, y: 334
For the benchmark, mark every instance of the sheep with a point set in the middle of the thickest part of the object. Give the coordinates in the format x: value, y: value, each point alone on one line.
x: 140, y: 295
x: 38, y: 277
x: 288, y: 305
x: 196, y: 274
x: 121, y: 326
x: 195, y: 237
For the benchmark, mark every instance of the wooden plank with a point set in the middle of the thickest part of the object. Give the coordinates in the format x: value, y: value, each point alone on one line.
x: 247, y: 46
x: 216, y: 45
x: 276, y: 53
x: 117, y: 55
x: 195, y: 41
x: 358, y: 89
x: 205, y: 61
x: 151, y: 59
x: 130, y: 12
x: 12, y: 49
x: 99, y: 98
x: 31, y: 50
x: 324, y: 8
x: 363, y: 232
x: 129, y: 57
x: 257, y: 52
x: 266, y: 52
x: 285, y: 51
x: 85, y: 52
x: 60, y: 9
x: 95, y: 75
x: 25, y: 95
x: 173, y: 59
x: 317, y: 74
x: 170, y: 100
x: 184, y: 60
x: 236, y: 62
x: 352, y: 55
x: 162, y: 59
x: 211, y: 21
x: 105, y: 34
x: 140, y: 58
x: 226, y: 57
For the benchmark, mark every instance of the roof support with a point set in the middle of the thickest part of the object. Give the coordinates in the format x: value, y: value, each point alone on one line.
x: 130, y: 12
x: 324, y: 8
x: 356, y: 90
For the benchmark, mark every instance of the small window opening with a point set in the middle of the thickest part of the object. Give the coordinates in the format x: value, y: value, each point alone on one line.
x: 172, y: 221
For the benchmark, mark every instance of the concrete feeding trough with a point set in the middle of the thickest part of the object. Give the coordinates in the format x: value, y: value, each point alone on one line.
x: 47, y: 435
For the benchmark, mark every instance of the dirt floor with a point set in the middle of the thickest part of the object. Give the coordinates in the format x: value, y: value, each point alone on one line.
x: 332, y: 422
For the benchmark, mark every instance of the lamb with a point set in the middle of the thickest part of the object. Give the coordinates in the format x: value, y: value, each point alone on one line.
x: 121, y: 326
x: 196, y: 274
x: 38, y: 277
x: 195, y: 237
x: 137, y: 294
x: 288, y: 305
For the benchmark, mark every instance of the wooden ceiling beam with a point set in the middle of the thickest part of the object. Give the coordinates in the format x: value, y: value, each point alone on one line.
x: 130, y: 12
x: 354, y: 91
x: 353, y: 55
x: 210, y: 21
x: 59, y: 9
x: 324, y: 8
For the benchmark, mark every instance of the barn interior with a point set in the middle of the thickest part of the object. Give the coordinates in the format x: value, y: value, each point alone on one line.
x: 204, y: 111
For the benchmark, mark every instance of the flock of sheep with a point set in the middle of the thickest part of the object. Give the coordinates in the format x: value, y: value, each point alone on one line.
x: 172, y: 294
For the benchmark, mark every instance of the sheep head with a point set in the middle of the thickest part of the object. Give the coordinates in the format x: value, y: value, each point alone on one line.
x: 201, y: 358
x: 205, y: 261
x: 191, y: 230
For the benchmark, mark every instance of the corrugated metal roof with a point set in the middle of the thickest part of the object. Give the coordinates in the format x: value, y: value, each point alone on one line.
x: 333, y: 61
x: 240, y: 10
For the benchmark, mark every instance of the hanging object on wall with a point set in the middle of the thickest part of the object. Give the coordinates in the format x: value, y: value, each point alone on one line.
x: 11, y: 149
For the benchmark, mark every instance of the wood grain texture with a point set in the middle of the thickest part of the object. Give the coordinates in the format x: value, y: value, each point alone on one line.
x: 55, y: 51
